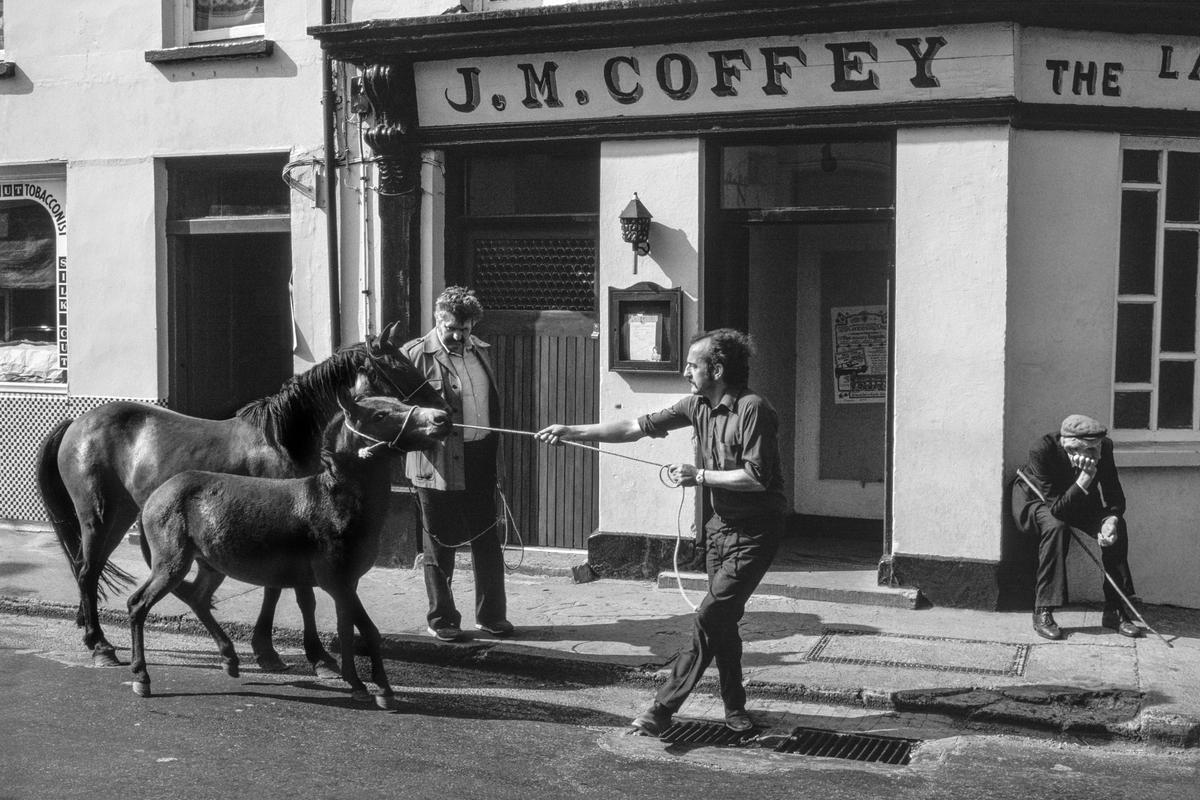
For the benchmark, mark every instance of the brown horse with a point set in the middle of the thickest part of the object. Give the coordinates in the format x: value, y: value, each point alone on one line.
x: 95, y: 472
x: 322, y: 530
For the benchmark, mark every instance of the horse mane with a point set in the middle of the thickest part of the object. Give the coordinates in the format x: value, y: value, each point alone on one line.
x: 295, y: 417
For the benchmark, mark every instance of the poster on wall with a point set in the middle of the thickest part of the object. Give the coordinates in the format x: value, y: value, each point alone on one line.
x: 860, y: 348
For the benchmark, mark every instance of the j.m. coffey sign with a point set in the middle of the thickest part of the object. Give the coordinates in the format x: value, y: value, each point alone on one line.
x: 789, y: 73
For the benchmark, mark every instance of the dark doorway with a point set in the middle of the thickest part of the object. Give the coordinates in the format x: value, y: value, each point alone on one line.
x: 228, y: 227
x: 803, y: 238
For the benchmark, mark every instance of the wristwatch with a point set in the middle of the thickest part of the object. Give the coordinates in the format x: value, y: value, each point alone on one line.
x: 699, y: 477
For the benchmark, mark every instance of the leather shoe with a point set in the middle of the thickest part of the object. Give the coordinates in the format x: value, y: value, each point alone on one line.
x: 446, y: 633
x: 1115, y: 617
x: 652, y: 722
x: 1044, y: 624
x: 501, y: 630
x: 738, y: 720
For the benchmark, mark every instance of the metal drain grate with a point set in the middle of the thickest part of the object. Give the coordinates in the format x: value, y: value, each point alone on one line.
x: 852, y: 746
x: 703, y: 733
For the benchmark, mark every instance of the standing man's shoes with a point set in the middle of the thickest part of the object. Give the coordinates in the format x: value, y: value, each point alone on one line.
x: 446, y: 633
x: 501, y: 630
x: 652, y: 722
x: 1115, y: 617
x: 1044, y: 624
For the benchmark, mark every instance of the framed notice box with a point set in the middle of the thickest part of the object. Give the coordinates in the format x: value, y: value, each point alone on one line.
x: 645, y: 329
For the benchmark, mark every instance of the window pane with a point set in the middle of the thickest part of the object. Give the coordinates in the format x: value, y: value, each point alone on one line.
x: 211, y: 15
x: 831, y: 175
x: 1140, y: 166
x: 1135, y: 331
x: 1131, y: 410
x: 1139, y: 220
x: 1179, y: 292
x: 1175, y: 381
x: 227, y: 186
x: 535, y: 183
x: 1183, y: 187
x: 28, y: 348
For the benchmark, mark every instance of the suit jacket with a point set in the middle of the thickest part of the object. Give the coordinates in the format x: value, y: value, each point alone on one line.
x: 441, y: 466
x: 1051, y: 470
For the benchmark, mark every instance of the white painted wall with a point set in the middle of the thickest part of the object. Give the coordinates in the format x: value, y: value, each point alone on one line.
x: 666, y: 174
x: 951, y: 273
x: 85, y: 96
x: 1064, y: 242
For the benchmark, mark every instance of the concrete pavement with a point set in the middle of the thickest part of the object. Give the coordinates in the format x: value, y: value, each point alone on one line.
x: 987, y: 666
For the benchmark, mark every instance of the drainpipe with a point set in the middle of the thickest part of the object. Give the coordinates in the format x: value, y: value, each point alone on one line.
x: 329, y: 112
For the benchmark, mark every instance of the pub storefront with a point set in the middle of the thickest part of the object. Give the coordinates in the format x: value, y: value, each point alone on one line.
x: 947, y: 228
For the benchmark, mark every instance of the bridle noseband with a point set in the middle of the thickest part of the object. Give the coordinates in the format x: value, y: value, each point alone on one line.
x: 364, y: 452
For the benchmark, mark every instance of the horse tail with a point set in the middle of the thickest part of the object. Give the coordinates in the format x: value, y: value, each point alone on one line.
x: 61, y: 512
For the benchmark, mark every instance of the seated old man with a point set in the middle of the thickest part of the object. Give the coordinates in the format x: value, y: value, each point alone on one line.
x: 1070, y: 482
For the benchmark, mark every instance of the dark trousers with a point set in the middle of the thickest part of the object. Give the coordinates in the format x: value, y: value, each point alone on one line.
x: 737, y: 556
x: 450, y: 519
x: 1054, y: 542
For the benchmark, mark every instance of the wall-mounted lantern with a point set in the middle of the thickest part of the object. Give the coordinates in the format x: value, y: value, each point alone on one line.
x: 635, y: 228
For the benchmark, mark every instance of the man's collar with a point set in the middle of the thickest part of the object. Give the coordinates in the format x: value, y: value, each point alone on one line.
x: 728, y: 399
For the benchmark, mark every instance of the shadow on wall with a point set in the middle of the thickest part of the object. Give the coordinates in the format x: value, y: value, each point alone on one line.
x: 17, y: 82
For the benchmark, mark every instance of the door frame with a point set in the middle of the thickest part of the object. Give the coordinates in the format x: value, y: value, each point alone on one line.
x: 723, y: 296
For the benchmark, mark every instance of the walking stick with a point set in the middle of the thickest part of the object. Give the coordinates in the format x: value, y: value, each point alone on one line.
x: 1025, y: 479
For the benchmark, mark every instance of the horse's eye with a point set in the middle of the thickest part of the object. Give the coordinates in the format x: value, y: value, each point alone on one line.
x: 379, y: 416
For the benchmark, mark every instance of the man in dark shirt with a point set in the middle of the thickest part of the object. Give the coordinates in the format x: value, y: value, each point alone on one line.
x: 1071, y: 482
x: 736, y: 431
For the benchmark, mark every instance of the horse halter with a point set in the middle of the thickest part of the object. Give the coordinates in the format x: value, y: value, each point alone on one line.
x: 365, y: 452
x: 388, y: 379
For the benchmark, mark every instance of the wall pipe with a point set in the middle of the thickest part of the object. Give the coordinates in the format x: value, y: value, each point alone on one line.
x: 329, y: 113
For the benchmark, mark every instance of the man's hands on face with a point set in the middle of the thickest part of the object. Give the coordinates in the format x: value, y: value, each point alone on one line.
x: 1085, y: 462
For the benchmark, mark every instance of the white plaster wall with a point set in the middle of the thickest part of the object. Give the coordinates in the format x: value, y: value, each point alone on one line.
x: 85, y: 95
x: 1062, y: 294
x: 666, y: 174
x: 951, y: 272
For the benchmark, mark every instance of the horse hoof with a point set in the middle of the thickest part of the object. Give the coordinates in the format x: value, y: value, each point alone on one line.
x: 141, y: 689
x: 360, y: 696
x: 326, y: 671
x: 271, y: 663
x: 231, y: 670
x: 386, y: 701
x: 105, y: 658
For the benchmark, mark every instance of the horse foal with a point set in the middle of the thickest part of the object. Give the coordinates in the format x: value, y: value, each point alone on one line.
x: 322, y: 530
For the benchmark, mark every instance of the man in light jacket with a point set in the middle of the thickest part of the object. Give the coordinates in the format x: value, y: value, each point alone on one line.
x: 456, y: 479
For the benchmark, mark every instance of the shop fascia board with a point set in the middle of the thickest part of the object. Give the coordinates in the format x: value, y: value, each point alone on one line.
x: 625, y: 23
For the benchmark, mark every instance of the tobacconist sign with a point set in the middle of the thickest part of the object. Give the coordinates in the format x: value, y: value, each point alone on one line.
x: 790, y: 73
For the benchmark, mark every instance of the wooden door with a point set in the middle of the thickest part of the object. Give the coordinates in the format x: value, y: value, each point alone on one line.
x: 231, y: 321
x: 538, y: 288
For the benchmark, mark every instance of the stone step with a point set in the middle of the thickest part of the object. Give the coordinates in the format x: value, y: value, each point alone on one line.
x: 859, y: 587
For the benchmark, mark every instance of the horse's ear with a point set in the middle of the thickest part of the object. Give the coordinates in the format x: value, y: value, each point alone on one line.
x: 362, y: 386
x: 391, y: 336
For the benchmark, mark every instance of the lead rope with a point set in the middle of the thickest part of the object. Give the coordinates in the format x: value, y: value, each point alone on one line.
x: 663, y: 478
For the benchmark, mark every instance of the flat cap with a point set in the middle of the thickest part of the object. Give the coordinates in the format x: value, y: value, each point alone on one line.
x: 1081, y: 426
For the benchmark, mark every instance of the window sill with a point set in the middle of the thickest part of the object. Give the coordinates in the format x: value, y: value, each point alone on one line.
x: 32, y: 387
x: 253, y: 48
x: 7, y: 69
x: 1156, y: 454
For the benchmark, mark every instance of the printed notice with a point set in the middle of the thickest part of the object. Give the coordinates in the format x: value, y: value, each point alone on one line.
x: 644, y: 331
x: 860, y: 345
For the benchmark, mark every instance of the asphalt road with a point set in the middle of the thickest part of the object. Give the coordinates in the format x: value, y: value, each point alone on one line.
x: 69, y: 730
